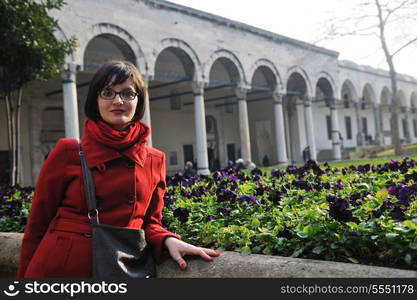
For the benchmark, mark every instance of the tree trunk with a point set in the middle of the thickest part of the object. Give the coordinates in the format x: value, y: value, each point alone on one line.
x: 13, y: 105
x: 395, y: 133
x: 9, y: 113
x: 17, y: 178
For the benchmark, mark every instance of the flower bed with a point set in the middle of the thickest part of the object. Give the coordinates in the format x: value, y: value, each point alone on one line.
x: 364, y: 214
x: 360, y: 214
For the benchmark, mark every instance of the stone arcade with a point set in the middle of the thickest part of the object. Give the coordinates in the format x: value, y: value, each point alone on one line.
x: 218, y: 89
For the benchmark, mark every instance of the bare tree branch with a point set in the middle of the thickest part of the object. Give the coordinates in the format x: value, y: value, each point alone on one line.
x: 405, y: 45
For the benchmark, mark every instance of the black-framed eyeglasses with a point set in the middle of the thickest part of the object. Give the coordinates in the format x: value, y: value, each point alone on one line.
x: 125, y: 95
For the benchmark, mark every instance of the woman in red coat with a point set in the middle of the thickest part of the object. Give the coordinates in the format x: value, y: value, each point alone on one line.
x: 129, y: 179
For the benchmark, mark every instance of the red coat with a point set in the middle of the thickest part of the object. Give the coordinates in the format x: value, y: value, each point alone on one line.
x: 129, y: 191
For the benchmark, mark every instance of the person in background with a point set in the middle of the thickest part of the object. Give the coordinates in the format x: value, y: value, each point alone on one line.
x: 341, y: 140
x: 306, y: 154
x: 188, y: 169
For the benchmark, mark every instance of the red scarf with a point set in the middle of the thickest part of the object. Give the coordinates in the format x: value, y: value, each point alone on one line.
x: 136, y: 134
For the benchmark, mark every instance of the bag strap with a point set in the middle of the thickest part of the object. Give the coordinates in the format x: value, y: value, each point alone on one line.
x: 90, y: 193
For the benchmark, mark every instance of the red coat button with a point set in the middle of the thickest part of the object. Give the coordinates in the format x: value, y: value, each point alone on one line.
x: 131, y: 199
x: 130, y: 164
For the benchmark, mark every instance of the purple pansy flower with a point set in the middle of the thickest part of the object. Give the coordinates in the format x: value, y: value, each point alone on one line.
x: 284, y: 233
x: 338, y: 209
x: 181, y: 214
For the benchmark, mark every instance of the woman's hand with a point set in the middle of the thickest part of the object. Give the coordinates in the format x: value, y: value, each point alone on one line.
x: 177, y: 249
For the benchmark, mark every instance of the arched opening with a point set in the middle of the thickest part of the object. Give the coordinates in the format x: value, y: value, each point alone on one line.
x: 324, y: 96
x: 221, y: 104
x: 261, y: 116
x: 347, y: 117
x: 366, y: 113
x: 295, y: 134
x: 172, y: 108
x: 385, y: 109
x: 103, y: 48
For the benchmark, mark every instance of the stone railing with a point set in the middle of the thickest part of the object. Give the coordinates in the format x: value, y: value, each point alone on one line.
x: 231, y: 265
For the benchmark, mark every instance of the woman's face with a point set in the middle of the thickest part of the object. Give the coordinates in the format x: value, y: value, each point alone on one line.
x: 118, y: 112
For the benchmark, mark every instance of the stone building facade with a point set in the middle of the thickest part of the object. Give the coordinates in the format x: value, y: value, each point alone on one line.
x: 218, y: 89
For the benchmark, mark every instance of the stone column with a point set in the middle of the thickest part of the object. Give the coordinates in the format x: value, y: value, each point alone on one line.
x: 147, y: 114
x: 381, y: 123
x: 409, y: 122
x: 279, y: 130
x: 378, y: 129
x: 359, y: 136
x: 244, y: 124
x: 337, y: 150
x: 308, y: 118
x: 69, y: 88
x: 200, y: 128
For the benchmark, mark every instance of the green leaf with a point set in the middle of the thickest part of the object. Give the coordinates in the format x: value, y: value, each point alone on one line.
x: 247, y: 188
x: 363, y: 185
x: 308, y: 230
x: 302, y: 234
x: 410, y: 224
x: 353, y: 226
x: 407, y: 258
x: 413, y: 246
x: 245, y: 250
x: 267, y: 251
x: 255, y: 223
x: 353, y: 260
x: 318, y: 249
x: 401, y: 229
x: 297, y: 253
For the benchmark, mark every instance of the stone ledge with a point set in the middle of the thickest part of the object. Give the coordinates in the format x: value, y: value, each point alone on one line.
x: 231, y: 265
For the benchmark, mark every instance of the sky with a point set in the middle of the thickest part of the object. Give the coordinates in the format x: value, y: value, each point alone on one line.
x: 309, y: 20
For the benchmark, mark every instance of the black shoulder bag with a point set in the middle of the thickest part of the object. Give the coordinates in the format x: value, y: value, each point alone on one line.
x: 118, y: 253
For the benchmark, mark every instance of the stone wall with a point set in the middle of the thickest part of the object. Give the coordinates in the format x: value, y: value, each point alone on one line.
x: 231, y: 265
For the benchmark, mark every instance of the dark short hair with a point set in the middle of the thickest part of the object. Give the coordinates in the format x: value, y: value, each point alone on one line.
x: 121, y: 70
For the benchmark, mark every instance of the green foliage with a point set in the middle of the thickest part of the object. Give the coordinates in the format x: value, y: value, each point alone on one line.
x: 359, y: 214
x: 15, y: 202
x: 29, y: 50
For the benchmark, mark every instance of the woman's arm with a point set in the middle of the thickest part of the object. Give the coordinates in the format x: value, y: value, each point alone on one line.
x: 49, y: 191
x: 162, y: 239
x: 154, y: 231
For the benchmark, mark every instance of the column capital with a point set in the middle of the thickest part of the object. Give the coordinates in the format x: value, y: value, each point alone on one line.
x: 68, y: 71
x: 71, y: 67
x: 333, y: 104
x: 241, y: 92
x: 198, y: 87
x: 277, y: 97
x: 375, y: 105
x: 306, y: 99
